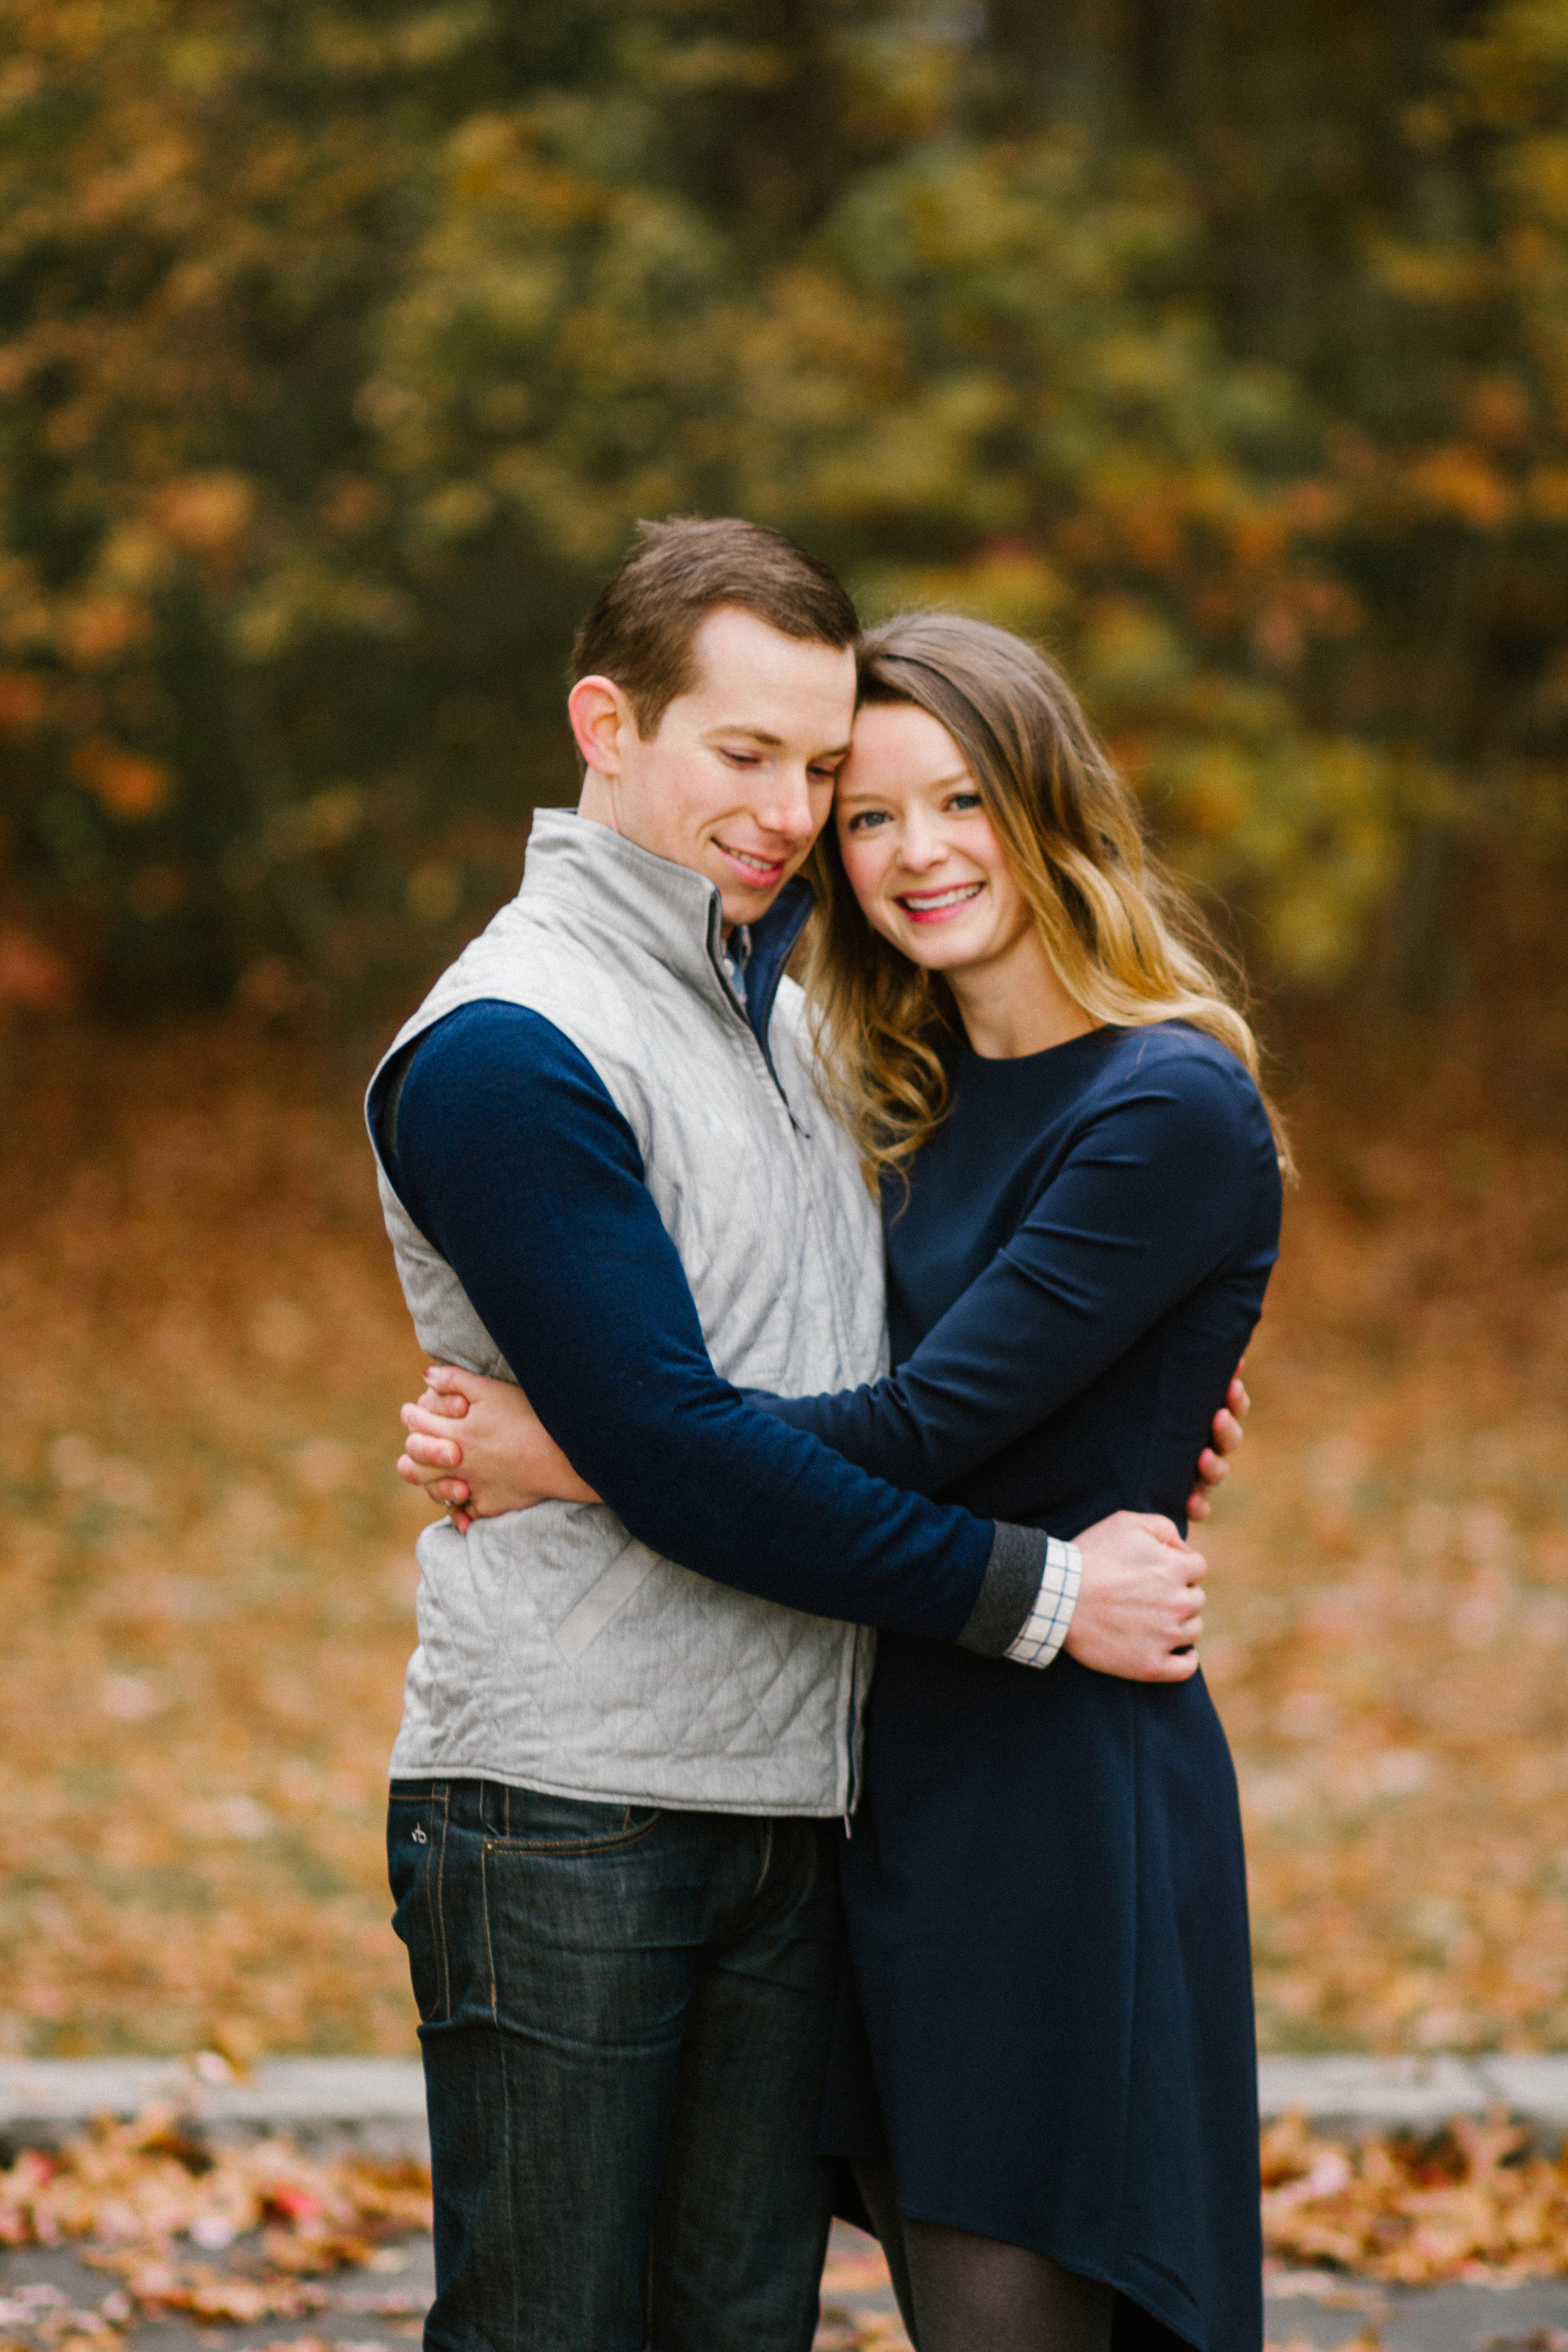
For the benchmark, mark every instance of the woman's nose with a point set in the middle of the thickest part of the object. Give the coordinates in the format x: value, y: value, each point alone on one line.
x: 920, y: 847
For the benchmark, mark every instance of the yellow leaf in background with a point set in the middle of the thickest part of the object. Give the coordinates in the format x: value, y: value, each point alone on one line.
x: 98, y: 629
x: 204, y: 513
x: 1459, y: 482
x: 1131, y: 655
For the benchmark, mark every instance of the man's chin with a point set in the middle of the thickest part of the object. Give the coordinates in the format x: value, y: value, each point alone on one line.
x: 740, y: 905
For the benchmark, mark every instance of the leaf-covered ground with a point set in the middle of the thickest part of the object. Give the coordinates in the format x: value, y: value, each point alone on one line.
x: 209, y: 1578
x: 1390, y: 1617
x: 212, y: 2243
x: 206, y: 1578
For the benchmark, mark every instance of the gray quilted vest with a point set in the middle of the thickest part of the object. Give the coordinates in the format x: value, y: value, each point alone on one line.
x: 555, y: 1652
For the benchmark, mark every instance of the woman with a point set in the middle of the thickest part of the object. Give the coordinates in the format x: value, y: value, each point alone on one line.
x: 1044, y: 2072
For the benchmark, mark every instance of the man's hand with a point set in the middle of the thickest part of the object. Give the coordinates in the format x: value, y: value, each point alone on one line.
x: 1139, y: 1606
x: 1228, y: 1432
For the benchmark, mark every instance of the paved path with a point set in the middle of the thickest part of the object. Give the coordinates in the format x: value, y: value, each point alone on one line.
x: 385, y: 2308
x: 1425, y: 2319
x: 1329, y: 2312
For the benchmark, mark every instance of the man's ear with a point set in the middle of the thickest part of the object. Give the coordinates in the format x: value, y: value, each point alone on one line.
x: 600, y: 715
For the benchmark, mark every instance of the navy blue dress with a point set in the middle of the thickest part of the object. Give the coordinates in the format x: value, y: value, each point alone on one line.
x: 1050, y: 2024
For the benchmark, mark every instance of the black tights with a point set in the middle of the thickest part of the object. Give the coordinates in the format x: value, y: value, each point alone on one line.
x: 961, y: 2293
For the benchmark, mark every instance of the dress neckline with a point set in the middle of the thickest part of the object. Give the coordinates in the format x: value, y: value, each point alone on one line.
x: 969, y: 1060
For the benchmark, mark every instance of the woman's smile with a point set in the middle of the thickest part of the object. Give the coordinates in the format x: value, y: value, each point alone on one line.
x: 938, y: 906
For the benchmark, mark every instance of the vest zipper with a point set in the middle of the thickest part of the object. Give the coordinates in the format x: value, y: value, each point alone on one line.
x: 851, y: 1788
x: 767, y: 1060
x: 757, y: 1030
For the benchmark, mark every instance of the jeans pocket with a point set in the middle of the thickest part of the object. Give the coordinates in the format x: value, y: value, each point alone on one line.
x: 415, y: 1862
x: 535, y: 1823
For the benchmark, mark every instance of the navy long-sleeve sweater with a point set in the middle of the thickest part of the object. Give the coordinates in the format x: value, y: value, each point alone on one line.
x: 506, y: 1148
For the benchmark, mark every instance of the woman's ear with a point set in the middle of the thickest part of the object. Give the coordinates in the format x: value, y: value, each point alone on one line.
x: 599, y: 712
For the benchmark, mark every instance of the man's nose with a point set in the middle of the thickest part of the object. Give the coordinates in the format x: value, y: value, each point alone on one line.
x: 787, y: 808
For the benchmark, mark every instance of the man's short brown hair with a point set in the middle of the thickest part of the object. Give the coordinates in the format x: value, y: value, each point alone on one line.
x: 641, y: 627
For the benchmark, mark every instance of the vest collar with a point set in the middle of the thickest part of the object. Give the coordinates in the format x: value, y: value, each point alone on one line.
x: 650, y: 904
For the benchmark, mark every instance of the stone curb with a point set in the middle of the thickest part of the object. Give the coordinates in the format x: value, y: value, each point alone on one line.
x: 378, y: 2104
x: 375, y: 2104
x: 1351, y: 2093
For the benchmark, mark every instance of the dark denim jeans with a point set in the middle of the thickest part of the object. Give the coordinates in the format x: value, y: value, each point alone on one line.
x: 625, y: 2017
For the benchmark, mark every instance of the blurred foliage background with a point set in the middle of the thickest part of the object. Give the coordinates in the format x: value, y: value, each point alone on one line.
x: 1226, y: 348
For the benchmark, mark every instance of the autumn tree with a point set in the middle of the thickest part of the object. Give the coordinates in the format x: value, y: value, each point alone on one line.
x: 339, y: 347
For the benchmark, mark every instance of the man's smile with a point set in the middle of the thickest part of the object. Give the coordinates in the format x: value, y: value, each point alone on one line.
x: 762, y: 872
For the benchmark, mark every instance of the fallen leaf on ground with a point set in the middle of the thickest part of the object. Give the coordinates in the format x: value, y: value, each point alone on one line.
x: 136, y: 2195
x: 1473, y: 2202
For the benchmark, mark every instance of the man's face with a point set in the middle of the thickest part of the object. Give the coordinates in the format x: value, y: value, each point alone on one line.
x: 738, y: 780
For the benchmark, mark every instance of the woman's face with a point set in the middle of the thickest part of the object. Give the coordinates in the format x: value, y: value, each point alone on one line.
x: 917, y: 847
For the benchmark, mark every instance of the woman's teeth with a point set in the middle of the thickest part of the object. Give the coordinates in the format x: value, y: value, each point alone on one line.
x: 932, y: 902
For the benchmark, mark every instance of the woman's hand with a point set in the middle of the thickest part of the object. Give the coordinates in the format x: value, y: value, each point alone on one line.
x: 1228, y: 1432
x: 505, y: 1460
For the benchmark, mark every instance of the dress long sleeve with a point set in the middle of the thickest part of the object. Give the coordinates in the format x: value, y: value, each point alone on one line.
x: 1144, y: 1201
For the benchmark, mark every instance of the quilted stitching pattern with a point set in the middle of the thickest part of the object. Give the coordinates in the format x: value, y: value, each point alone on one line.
x: 690, y: 1695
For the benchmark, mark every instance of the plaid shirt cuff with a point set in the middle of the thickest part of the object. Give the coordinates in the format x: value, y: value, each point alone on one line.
x: 1045, y: 1629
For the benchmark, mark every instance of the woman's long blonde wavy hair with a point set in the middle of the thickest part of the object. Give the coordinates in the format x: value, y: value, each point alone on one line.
x: 1126, y: 943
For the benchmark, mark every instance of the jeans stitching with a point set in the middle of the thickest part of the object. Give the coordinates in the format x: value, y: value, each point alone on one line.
x: 767, y: 1865
x: 485, y: 1914
x: 508, y: 2217
x: 438, y: 1908
x: 434, y: 1801
x: 514, y: 2269
x: 573, y: 1846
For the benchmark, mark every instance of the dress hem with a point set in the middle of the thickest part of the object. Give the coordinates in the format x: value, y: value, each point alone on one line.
x: 1187, y: 2331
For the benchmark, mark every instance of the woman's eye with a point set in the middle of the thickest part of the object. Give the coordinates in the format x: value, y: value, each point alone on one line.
x: 866, y: 819
x: 964, y: 801
x: 743, y: 759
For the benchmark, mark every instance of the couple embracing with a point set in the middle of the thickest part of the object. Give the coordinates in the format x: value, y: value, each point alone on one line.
x: 784, y: 1333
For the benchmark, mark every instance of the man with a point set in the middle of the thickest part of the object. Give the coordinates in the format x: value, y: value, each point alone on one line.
x: 604, y: 1172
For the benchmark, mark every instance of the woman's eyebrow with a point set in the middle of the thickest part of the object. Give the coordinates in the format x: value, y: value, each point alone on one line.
x: 937, y: 784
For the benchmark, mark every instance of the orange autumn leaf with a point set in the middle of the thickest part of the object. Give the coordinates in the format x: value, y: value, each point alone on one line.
x: 131, y: 787
x: 24, y: 700
x: 33, y: 978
